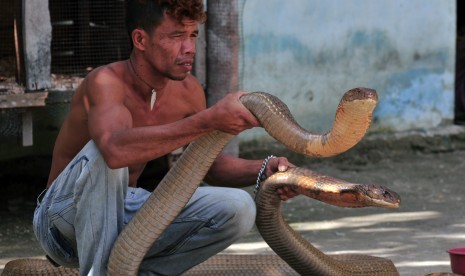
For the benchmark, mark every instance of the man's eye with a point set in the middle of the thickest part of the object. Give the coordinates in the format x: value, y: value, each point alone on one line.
x: 177, y: 35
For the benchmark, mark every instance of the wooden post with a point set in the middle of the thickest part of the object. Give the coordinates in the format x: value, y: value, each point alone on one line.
x: 20, y: 73
x: 200, y: 64
x: 27, y: 128
x: 37, y: 38
x: 223, y: 43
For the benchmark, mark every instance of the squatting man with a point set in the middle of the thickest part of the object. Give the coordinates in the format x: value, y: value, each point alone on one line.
x: 127, y: 113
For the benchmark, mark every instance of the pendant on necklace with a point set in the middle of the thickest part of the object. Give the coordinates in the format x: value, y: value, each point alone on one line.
x: 153, y: 98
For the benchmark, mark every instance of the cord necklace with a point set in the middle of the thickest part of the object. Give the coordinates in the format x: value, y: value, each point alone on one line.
x: 153, y: 97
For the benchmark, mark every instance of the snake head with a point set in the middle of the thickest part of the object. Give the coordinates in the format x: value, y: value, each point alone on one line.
x: 380, y: 196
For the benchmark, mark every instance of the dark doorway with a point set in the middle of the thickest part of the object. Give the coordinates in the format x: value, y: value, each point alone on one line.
x: 460, y: 65
x: 87, y: 34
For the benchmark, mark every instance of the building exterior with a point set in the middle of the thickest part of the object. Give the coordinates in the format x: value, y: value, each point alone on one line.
x: 309, y: 52
x: 306, y: 52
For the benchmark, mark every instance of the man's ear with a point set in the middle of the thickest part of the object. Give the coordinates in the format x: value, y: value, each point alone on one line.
x: 139, y: 38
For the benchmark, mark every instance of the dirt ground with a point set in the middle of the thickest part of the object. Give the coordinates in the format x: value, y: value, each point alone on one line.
x: 426, y: 169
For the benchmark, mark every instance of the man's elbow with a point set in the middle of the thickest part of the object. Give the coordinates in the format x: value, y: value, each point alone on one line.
x: 112, y: 157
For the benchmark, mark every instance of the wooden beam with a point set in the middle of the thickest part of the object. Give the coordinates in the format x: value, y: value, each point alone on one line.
x: 23, y: 100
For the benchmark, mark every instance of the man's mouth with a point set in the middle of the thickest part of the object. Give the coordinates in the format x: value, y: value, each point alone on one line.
x: 186, y: 64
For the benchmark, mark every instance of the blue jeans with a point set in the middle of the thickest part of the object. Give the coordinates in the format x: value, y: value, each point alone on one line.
x: 81, y: 214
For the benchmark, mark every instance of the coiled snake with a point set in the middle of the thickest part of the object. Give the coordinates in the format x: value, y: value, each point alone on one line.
x: 353, y: 117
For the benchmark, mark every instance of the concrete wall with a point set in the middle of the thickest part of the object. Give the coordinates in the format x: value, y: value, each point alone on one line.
x: 309, y: 52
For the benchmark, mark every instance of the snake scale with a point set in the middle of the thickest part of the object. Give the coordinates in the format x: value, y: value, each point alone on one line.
x: 352, y: 120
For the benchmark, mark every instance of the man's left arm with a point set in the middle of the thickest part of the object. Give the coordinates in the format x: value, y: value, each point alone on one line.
x: 230, y: 171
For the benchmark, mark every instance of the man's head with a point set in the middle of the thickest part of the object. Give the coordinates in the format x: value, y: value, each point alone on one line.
x: 148, y: 14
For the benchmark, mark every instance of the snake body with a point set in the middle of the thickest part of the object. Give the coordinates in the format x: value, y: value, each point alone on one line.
x: 353, y: 117
x: 294, y: 249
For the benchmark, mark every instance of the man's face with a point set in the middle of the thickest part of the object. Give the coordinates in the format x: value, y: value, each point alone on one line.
x: 172, y: 47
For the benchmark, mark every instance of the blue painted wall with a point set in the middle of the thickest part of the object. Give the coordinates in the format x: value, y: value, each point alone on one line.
x: 309, y: 52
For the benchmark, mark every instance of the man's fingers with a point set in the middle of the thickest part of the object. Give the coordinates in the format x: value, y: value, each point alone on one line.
x: 286, y: 193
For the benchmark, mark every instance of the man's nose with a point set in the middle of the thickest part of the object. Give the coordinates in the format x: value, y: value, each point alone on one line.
x: 188, y: 46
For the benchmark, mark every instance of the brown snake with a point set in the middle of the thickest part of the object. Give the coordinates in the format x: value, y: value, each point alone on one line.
x: 352, y: 120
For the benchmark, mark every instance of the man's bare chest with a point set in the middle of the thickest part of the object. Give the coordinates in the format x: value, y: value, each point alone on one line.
x: 160, y: 115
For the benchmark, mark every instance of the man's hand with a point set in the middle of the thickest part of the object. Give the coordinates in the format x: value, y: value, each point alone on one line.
x: 231, y: 116
x: 281, y: 164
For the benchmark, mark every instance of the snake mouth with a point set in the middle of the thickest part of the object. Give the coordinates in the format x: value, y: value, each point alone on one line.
x: 383, y: 204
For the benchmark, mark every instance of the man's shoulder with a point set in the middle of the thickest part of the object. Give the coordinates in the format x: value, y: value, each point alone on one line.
x: 113, y: 71
x: 102, y: 81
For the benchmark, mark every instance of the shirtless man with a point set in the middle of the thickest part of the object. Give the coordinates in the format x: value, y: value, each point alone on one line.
x: 115, y: 127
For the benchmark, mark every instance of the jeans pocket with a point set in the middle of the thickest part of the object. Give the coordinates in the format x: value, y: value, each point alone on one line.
x: 60, y: 250
x: 62, y: 214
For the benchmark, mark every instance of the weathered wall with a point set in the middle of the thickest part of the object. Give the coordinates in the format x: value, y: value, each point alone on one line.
x: 309, y: 52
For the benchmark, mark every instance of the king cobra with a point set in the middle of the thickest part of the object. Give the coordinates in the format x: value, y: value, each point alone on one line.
x: 352, y: 120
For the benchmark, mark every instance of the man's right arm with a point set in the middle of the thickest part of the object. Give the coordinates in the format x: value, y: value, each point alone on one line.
x: 122, y: 145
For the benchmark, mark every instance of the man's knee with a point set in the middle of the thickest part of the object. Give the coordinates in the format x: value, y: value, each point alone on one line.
x: 239, y: 207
